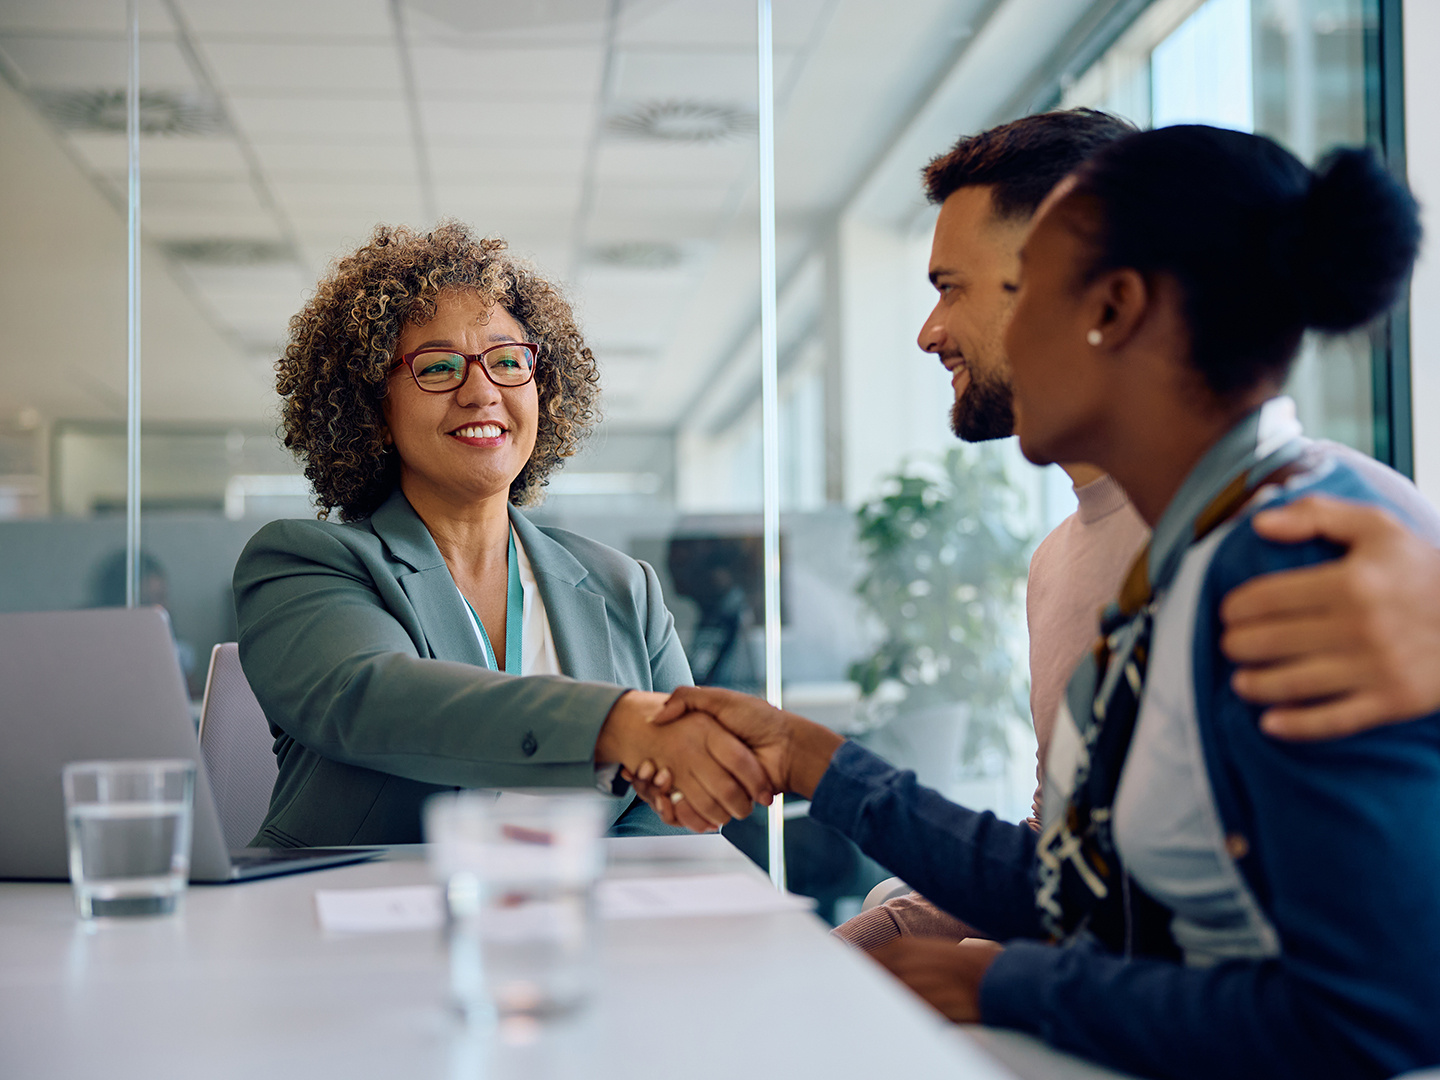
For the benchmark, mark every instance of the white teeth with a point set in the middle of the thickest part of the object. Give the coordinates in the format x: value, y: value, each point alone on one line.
x: 480, y: 431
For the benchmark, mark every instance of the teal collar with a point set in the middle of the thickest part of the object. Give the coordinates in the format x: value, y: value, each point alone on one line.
x: 514, y: 618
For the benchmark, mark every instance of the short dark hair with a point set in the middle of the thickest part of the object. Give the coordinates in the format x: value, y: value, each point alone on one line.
x: 1023, y: 160
x: 1262, y: 247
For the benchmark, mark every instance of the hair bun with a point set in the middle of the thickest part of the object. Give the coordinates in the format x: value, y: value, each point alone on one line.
x: 1359, y: 232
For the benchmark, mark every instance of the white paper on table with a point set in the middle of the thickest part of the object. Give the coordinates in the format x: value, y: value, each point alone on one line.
x: 369, y: 911
x: 421, y: 907
x: 701, y: 895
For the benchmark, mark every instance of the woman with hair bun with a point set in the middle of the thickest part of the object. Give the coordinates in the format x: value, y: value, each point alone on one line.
x: 1203, y: 900
x: 1255, y: 907
x: 435, y: 638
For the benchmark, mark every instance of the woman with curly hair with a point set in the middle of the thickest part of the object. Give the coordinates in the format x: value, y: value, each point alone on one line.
x: 435, y: 638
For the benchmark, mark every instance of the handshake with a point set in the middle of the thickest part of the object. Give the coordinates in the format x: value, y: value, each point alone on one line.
x: 704, y: 755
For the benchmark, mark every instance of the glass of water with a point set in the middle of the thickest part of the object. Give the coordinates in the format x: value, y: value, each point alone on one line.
x: 128, y: 824
x: 519, y: 872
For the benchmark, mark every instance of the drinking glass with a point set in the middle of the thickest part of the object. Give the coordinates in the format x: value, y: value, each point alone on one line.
x: 519, y: 872
x: 128, y: 824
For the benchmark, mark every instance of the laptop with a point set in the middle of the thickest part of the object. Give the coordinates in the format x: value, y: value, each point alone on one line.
x: 105, y: 685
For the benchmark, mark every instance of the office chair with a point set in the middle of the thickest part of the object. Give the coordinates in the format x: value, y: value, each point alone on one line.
x: 237, y: 747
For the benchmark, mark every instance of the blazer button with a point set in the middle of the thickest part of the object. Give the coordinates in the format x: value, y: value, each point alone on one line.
x: 529, y: 745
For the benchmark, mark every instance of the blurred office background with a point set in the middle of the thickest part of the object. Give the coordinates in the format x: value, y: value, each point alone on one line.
x: 614, y: 143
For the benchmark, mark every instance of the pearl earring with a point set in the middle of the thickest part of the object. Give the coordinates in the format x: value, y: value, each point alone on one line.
x: 1094, y: 337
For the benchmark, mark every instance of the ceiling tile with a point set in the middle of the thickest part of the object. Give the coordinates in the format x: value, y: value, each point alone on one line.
x: 282, y: 279
x: 271, y: 67
x: 59, y: 63
x: 350, y: 19
x: 93, y: 17
x: 500, y: 75
x: 706, y: 23
x: 371, y: 200
x: 359, y: 159
x: 704, y: 203
x: 725, y: 76
x: 509, y: 199
x: 630, y: 160
x: 162, y: 156
x: 514, y: 21
x: 222, y: 196
x: 322, y: 120
x: 188, y: 223
x: 511, y: 125
x: 472, y: 159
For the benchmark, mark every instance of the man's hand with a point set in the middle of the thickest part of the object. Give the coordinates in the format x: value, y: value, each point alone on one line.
x: 1346, y: 645
x: 946, y: 974
x: 794, y: 751
x: 720, y: 776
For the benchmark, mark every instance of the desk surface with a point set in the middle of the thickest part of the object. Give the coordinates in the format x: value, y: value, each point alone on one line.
x: 245, y: 984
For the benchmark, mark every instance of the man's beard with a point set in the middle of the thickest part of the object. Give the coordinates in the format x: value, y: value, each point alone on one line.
x: 986, y: 411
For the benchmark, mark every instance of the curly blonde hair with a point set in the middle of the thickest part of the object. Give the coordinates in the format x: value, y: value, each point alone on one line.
x: 333, y: 374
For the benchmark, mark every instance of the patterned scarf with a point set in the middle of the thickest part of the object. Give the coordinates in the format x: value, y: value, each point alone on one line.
x: 1081, y: 885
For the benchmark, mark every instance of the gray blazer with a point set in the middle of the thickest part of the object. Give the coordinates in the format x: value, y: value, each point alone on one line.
x: 363, y: 656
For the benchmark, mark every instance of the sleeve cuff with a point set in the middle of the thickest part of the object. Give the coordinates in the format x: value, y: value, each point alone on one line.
x: 1010, y: 991
x: 853, y: 776
x: 608, y: 780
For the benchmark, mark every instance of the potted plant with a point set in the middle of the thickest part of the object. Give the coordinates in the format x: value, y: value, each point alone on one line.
x: 946, y: 557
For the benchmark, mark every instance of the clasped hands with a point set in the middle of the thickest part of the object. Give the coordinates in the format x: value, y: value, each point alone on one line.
x: 724, y: 751
x: 704, y: 755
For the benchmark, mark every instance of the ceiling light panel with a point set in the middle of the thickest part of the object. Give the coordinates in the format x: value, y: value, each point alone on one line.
x: 288, y: 20
x: 65, y: 63
x: 272, y: 67
x: 501, y: 75
x: 323, y: 119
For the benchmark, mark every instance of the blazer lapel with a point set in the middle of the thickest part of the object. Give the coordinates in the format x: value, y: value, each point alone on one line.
x: 579, y: 621
x: 438, y: 605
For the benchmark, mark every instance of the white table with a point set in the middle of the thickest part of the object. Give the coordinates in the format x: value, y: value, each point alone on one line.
x: 245, y: 984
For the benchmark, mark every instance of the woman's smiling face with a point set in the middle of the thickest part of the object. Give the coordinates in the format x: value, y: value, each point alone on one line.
x: 469, y: 444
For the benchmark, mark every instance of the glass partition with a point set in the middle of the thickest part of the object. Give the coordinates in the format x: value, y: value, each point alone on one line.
x: 615, y: 144
x: 63, y: 294
x: 1304, y: 72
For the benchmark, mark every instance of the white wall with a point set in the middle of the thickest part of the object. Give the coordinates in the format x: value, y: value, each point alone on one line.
x: 1422, y: 147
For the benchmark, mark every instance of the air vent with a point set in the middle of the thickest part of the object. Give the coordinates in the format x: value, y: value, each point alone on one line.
x: 162, y: 112
x: 637, y: 255
x: 221, y: 252
x: 683, y: 121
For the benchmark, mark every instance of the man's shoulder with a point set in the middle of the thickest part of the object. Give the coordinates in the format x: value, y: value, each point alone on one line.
x: 1243, y: 553
x: 1398, y: 491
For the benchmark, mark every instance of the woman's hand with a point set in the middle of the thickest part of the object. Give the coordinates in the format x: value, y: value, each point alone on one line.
x: 795, y: 751
x: 945, y: 973
x: 1346, y: 645
x: 719, y: 776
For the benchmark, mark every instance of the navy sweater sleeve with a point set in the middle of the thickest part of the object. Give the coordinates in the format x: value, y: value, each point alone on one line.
x: 1341, y: 842
x: 973, y: 865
